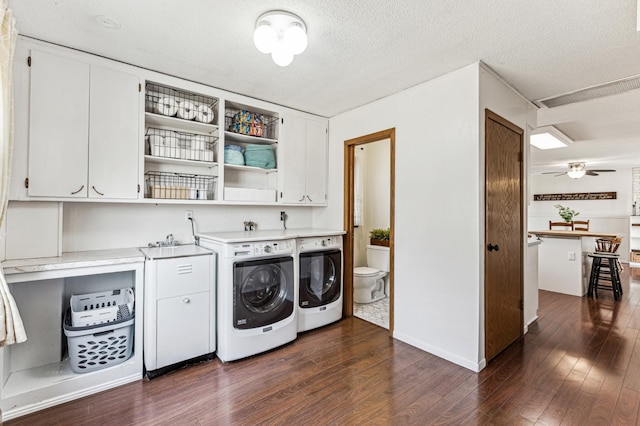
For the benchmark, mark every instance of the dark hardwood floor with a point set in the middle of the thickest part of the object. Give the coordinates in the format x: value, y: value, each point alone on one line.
x: 579, y: 364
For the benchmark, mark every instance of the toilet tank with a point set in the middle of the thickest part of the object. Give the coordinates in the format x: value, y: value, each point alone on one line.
x: 378, y: 257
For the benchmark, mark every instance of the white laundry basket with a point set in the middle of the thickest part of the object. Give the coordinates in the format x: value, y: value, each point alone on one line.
x: 98, y: 346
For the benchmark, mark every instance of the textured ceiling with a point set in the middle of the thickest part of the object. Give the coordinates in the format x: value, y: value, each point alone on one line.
x: 359, y: 50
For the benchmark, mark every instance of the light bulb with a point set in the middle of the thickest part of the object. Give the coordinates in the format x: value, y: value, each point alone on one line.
x: 265, y: 38
x: 282, y: 54
x: 296, y: 38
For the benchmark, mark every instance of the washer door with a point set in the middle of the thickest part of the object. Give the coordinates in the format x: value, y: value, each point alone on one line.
x: 263, y: 292
x: 320, y: 278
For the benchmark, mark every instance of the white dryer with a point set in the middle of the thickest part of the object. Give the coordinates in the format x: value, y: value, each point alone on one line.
x: 320, y: 281
x: 257, y: 295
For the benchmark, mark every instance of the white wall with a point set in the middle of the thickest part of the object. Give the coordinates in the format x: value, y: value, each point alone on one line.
x: 439, y: 196
x: 95, y: 226
x: 609, y: 216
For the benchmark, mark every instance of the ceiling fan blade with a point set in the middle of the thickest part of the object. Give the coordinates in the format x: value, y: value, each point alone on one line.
x: 601, y: 171
x: 554, y: 173
x: 592, y: 173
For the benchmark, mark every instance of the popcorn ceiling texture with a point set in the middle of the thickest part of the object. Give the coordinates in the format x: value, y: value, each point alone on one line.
x: 359, y: 51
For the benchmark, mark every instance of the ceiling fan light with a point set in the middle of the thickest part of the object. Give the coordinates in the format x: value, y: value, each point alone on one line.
x: 576, y: 174
x: 576, y: 170
x: 265, y: 37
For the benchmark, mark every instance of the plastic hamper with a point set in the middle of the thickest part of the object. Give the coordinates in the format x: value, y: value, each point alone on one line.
x: 96, y: 347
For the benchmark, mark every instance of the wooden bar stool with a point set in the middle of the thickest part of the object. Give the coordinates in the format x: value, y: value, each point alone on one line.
x: 605, y: 274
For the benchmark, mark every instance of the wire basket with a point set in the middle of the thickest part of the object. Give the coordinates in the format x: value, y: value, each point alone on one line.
x: 180, y: 145
x: 608, y: 245
x: 179, y: 186
x: 181, y: 104
x: 251, y: 123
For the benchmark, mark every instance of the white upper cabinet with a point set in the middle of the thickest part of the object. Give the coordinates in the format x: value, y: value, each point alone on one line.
x: 83, y: 130
x: 58, y: 126
x: 303, y: 170
x: 113, y: 134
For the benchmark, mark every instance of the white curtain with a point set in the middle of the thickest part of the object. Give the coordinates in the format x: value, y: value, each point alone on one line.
x: 11, y: 327
x: 358, y: 200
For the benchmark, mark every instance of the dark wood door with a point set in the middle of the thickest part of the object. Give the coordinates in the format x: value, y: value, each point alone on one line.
x: 503, y: 280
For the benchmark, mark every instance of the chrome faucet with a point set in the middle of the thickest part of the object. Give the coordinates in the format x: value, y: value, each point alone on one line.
x: 250, y: 225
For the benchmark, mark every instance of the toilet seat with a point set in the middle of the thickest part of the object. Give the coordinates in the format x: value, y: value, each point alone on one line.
x: 364, y: 271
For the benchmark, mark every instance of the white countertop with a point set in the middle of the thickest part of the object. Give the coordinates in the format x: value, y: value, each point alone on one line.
x: 267, y: 234
x: 79, y: 259
x: 174, y: 251
x: 533, y: 242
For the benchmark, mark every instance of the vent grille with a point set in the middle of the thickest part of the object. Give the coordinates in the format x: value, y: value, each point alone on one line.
x: 607, y: 89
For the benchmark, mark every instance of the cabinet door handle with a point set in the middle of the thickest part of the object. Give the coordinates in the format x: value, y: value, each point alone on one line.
x: 309, y: 198
x: 98, y: 192
x: 492, y: 247
x: 81, y: 188
x: 301, y: 199
x: 186, y: 300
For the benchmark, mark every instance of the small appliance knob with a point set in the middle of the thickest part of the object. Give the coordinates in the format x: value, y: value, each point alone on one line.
x: 323, y: 243
x: 267, y: 249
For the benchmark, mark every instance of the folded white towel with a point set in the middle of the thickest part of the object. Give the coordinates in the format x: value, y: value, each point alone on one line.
x: 204, y: 114
x: 186, y: 110
x: 167, y: 106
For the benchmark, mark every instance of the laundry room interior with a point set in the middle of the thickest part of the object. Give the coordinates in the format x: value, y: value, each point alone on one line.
x: 253, y: 207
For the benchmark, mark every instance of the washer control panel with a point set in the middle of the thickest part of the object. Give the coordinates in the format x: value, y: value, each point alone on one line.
x: 319, y: 243
x: 264, y: 248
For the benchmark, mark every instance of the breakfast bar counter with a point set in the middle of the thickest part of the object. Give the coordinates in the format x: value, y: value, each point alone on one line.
x: 563, y: 265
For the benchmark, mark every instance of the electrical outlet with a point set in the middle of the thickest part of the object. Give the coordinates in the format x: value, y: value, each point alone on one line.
x: 188, y: 214
x: 572, y: 255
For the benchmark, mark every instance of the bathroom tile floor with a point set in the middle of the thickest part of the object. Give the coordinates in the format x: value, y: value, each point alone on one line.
x: 376, y: 312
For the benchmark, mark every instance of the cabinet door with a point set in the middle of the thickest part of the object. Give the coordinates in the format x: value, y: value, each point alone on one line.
x: 182, y: 328
x: 113, y: 134
x: 58, y: 126
x: 292, y: 161
x: 316, y: 161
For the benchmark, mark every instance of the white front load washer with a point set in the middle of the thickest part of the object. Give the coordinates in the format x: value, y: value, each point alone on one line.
x: 257, y: 296
x: 320, y: 281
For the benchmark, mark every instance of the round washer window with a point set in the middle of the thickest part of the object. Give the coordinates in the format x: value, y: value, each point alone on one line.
x: 322, y: 276
x: 264, y: 289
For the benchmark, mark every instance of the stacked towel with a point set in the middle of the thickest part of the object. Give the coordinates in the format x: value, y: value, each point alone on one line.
x: 260, y: 156
x: 233, y: 155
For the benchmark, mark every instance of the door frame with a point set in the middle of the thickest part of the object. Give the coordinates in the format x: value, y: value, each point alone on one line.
x: 349, y: 160
x: 490, y: 115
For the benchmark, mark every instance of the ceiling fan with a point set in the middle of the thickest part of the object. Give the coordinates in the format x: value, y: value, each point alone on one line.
x: 577, y: 170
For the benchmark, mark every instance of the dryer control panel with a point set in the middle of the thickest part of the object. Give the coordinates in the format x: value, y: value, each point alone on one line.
x: 319, y: 243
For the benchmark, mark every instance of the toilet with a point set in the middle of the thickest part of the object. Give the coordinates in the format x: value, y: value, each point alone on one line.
x: 370, y: 283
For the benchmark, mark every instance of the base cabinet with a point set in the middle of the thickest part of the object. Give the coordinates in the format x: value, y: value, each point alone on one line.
x: 180, y: 315
x: 180, y: 331
x: 38, y: 374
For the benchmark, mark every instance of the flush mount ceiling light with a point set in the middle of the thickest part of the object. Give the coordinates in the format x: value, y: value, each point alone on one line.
x: 282, y: 34
x: 548, y: 137
x: 576, y: 170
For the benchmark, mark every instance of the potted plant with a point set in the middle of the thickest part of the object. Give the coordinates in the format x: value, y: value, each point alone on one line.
x: 379, y: 237
x: 566, y: 213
